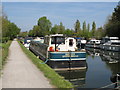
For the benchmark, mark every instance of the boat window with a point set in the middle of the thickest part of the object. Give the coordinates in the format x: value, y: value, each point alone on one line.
x: 70, y: 42
x: 93, y: 41
x: 59, y: 40
x: 113, y: 43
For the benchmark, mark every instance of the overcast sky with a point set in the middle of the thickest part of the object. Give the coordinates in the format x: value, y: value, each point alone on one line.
x: 26, y: 14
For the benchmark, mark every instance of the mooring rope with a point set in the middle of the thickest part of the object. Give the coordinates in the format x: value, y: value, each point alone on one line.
x: 44, y: 62
x: 110, y: 85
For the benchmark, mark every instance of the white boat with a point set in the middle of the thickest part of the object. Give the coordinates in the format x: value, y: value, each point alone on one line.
x: 27, y: 41
x: 80, y: 42
x: 93, y: 43
x: 39, y: 39
x: 60, y: 51
x: 110, y: 43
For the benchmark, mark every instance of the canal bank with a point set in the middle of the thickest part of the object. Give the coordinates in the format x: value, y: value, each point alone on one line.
x: 20, y: 72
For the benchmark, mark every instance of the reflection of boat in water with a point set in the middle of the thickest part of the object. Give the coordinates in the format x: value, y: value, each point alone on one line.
x: 60, y: 52
x: 77, y: 77
x: 93, y: 52
x: 111, y: 57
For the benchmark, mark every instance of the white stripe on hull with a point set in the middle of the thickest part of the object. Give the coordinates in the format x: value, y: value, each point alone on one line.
x: 78, y: 59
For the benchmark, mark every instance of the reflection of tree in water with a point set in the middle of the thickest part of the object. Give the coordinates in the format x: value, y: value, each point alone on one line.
x: 114, y: 67
x: 92, y: 52
x: 77, y: 77
x: 111, y: 59
x: 107, y: 57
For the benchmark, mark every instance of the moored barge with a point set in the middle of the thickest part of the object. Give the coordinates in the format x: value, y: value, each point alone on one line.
x: 60, y: 52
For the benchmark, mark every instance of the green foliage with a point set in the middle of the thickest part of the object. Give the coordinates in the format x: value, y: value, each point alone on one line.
x: 43, y: 28
x: 9, y: 30
x: 4, y: 39
x: 61, y: 28
x: 54, y: 78
x: 23, y: 34
x: 93, y: 28
x: 112, y: 27
x: 77, y: 26
x: 4, y: 53
x: 84, y: 27
x: 88, y: 27
x: 54, y: 29
x: 45, y: 25
x: 58, y: 29
x: 68, y: 32
x: 99, y: 33
x: 36, y: 31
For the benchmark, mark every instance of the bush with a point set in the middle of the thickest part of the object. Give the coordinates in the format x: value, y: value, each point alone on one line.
x: 4, y: 39
x: 4, y: 53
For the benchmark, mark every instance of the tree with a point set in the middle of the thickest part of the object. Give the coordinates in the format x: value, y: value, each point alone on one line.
x: 9, y: 29
x: 112, y: 27
x: 45, y: 25
x: 37, y: 31
x: 99, y: 33
x: 84, y: 27
x: 77, y: 26
x: 61, y: 28
x: 68, y: 32
x: 93, y: 28
x: 54, y: 29
x: 30, y: 33
x: 23, y: 34
x: 88, y: 27
x: 13, y: 30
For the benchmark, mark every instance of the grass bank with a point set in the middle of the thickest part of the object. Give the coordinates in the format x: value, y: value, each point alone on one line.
x: 4, y: 48
x: 54, y: 78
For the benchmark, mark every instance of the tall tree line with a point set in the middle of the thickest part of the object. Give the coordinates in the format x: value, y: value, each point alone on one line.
x: 86, y: 32
x: 44, y: 27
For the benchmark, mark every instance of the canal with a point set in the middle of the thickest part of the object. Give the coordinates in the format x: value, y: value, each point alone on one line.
x: 101, y: 66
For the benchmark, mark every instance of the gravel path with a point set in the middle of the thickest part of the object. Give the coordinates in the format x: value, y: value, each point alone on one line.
x: 20, y: 72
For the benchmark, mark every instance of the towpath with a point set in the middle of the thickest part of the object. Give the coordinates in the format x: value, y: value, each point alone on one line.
x: 20, y: 72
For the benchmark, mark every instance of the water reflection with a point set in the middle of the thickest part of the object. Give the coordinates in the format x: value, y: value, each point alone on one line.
x: 101, y: 66
x: 77, y: 77
x: 110, y: 58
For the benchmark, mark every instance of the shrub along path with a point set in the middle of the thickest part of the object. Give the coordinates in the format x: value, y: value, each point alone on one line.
x: 20, y: 72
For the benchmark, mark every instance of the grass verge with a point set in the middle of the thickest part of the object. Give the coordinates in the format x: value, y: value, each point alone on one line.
x: 54, y: 78
x: 4, y: 53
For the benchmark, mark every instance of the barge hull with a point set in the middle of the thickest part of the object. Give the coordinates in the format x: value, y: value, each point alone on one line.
x: 67, y: 65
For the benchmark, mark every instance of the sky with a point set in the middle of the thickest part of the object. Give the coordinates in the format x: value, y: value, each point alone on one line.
x: 59, y: 0
x: 26, y: 14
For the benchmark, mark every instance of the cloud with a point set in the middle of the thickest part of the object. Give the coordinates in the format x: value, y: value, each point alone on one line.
x: 60, y: 0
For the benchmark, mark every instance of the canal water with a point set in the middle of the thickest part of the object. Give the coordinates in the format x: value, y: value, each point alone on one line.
x: 101, y: 65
